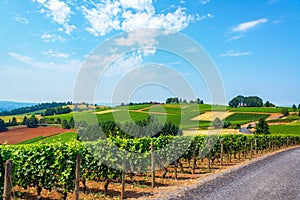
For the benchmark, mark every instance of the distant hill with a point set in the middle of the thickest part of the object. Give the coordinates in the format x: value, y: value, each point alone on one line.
x: 10, y: 105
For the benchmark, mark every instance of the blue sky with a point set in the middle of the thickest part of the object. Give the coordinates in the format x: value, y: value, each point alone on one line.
x: 255, y: 46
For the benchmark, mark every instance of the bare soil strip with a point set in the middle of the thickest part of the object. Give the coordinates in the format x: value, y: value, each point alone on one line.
x: 18, y: 135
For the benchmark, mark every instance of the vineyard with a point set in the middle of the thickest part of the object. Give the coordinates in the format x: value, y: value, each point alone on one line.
x: 53, y: 166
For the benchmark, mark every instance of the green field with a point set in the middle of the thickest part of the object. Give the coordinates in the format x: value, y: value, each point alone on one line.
x: 64, y: 137
x: 243, y: 118
x: 33, y: 140
x: 259, y: 109
x: 293, y: 129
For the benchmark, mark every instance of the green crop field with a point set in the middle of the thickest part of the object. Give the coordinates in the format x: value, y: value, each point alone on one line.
x: 285, y: 129
x: 258, y: 109
x: 32, y: 140
x: 64, y: 137
x: 243, y: 118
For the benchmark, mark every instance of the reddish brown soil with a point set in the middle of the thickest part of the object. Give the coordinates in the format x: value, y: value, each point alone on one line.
x: 18, y: 135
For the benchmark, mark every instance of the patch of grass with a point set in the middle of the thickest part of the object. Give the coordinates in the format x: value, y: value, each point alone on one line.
x: 243, y: 118
x: 62, y: 116
x: 32, y: 140
x: 64, y: 137
x: 285, y: 129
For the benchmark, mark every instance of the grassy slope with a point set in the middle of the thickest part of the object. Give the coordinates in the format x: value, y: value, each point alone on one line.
x: 258, y: 109
x: 289, y: 129
x: 243, y: 118
x: 64, y: 137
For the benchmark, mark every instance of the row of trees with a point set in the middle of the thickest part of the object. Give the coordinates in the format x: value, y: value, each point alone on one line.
x: 179, y: 100
x: 56, y: 111
x: 251, y: 101
x: 34, y: 108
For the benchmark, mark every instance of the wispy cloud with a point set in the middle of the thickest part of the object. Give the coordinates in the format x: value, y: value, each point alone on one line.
x: 68, y: 65
x: 236, y: 37
x: 233, y: 53
x: 48, y: 37
x: 20, y: 19
x: 204, y: 1
x: 246, y: 26
x: 56, y: 54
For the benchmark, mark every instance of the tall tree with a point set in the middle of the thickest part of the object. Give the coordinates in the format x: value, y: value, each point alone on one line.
x: 24, y: 122
x: 65, y: 124
x: 32, y: 122
x: 72, y: 123
x: 14, y: 122
x: 294, y: 107
x: 285, y: 112
x: 2, y: 125
x: 262, y: 127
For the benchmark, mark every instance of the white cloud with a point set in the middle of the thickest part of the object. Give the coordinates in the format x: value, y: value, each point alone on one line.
x: 204, y: 1
x: 69, y: 65
x: 21, y: 58
x: 236, y: 37
x: 233, y: 53
x: 52, y: 37
x: 126, y: 15
x: 20, y: 19
x: 245, y: 26
x: 60, y: 13
x: 56, y: 54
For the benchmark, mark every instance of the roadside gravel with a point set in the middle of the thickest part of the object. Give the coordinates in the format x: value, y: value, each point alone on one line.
x: 272, y: 177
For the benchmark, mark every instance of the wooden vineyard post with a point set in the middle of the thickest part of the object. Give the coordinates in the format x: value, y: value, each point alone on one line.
x: 230, y: 150
x: 251, y: 149
x: 77, y: 181
x: 239, y: 149
x: 123, y: 178
x: 222, y: 152
x: 273, y: 145
x: 256, y: 148
x: 245, y: 149
x: 269, y: 146
x: 7, y: 180
x: 152, y: 166
x: 287, y: 142
x: 208, y: 144
x: 194, y: 158
x: 175, y: 161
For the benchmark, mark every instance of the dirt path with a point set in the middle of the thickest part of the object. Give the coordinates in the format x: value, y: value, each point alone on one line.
x: 18, y: 135
x: 273, y: 178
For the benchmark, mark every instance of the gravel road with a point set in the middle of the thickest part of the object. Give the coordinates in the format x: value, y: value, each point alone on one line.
x: 276, y: 177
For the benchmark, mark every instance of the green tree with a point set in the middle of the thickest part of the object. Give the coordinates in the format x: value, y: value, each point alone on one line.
x: 299, y: 113
x: 2, y: 125
x: 72, y: 123
x: 14, y: 122
x: 285, y: 112
x: 299, y: 106
x: 65, y: 124
x: 32, y: 122
x: 262, y: 127
x: 58, y: 120
x: 294, y: 107
x: 24, y: 122
x: 217, y: 123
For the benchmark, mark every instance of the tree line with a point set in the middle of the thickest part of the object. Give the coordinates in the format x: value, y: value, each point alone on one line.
x: 56, y: 111
x: 172, y: 100
x: 34, y: 108
x: 251, y: 101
